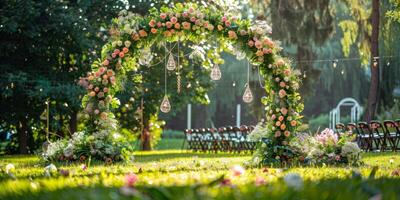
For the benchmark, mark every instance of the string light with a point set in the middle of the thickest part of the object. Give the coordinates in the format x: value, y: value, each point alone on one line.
x: 334, y: 63
x: 375, y: 63
x: 388, y: 64
x: 305, y: 75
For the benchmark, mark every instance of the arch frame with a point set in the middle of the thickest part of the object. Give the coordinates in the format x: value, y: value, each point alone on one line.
x: 131, y: 33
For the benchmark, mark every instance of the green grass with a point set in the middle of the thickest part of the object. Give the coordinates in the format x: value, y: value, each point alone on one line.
x: 177, y: 174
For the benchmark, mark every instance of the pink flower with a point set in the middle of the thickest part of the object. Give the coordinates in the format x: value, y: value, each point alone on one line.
x: 186, y: 25
x: 113, y: 55
x: 125, y: 50
x: 100, y: 94
x: 250, y: 43
x: 278, y: 123
x: 260, y: 181
x: 191, y: 10
x: 259, y: 53
x: 110, y: 72
x: 152, y: 23
x: 227, y: 23
x: 96, y: 89
x: 273, y: 117
x: 177, y: 26
x: 105, y: 90
x: 103, y: 116
x: 102, y: 70
x: 96, y: 111
x: 287, y: 133
x: 293, y: 123
x: 237, y: 170
x: 174, y: 20
x: 131, y: 179
x: 92, y: 94
x: 243, y: 32
x: 116, y: 51
x: 283, y: 127
x: 337, y: 157
x: 232, y: 35
x: 224, y: 18
x: 163, y: 15
x: 185, y: 14
x: 284, y: 111
x: 226, y: 182
x: 282, y: 93
x: 282, y: 84
x: 281, y: 118
x: 153, y: 30
x: 106, y: 62
x: 90, y: 87
x: 159, y: 24
x: 258, y: 44
x: 193, y: 19
x: 105, y: 76
x: 267, y: 51
x: 83, y: 167
x: 121, y: 54
x: 280, y: 62
x: 277, y: 134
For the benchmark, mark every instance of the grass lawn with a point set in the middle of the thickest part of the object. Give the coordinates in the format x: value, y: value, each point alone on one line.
x: 176, y: 174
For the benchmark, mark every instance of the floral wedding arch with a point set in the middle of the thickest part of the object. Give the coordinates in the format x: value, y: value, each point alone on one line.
x: 189, y: 22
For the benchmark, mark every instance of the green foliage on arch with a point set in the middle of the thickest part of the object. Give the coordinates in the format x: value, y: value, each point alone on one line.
x: 131, y: 33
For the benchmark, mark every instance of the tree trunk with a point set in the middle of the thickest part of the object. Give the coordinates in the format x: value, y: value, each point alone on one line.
x: 23, y: 136
x: 373, y: 95
x: 73, y: 122
x: 146, y: 137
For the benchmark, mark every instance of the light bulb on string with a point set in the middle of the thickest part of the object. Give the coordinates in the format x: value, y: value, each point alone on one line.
x: 215, y: 73
x: 247, y: 96
x: 305, y: 75
x: 388, y: 64
x: 334, y: 63
x: 165, y: 106
x: 375, y: 63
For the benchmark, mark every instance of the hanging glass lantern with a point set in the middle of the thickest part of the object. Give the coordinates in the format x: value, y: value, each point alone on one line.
x: 171, y: 65
x: 215, y: 73
x: 165, y: 106
x: 247, y: 96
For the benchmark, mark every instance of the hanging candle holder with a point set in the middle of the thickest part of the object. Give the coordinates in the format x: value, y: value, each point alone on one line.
x: 165, y: 106
x: 215, y: 73
x: 247, y: 96
x: 171, y: 65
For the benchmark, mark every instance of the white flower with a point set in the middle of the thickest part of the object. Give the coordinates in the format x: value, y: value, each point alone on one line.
x: 10, y: 168
x: 350, y: 149
x: 294, y: 181
x: 391, y: 161
x: 50, y: 169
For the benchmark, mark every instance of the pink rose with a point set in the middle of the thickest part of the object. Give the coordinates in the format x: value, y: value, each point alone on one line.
x: 227, y: 23
x: 96, y: 111
x: 293, y: 123
x: 273, y: 117
x: 282, y: 93
x: 116, y: 51
x: 174, y: 20
x: 282, y: 84
x: 277, y: 134
x: 159, y: 24
x: 284, y: 111
x: 237, y: 170
x: 121, y: 54
x: 250, y: 43
x: 283, y: 127
x: 281, y: 118
x: 278, y: 123
x: 105, y: 90
x: 168, y: 24
x: 259, y: 53
x: 185, y: 14
x: 106, y: 62
x: 287, y: 133
x: 258, y: 44
x: 152, y: 23
x: 163, y: 15
x: 125, y: 50
x: 224, y: 18
x: 131, y: 179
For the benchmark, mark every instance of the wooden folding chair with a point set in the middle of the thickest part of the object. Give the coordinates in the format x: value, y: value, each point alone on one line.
x: 365, y: 134
x: 378, y: 135
x: 393, y: 134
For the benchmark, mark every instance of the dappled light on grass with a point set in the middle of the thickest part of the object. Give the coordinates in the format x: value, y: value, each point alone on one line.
x: 180, y: 172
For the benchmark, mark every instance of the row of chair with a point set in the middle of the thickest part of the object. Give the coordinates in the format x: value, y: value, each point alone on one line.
x: 224, y: 139
x: 375, y: 136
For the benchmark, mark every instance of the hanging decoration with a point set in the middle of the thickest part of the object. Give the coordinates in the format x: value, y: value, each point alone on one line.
x: 215, y: 73
x: 375, y: 63
x: 178, y: 76
x: 248, y: 96
x: 171, y: 65
x: 165, y: 106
